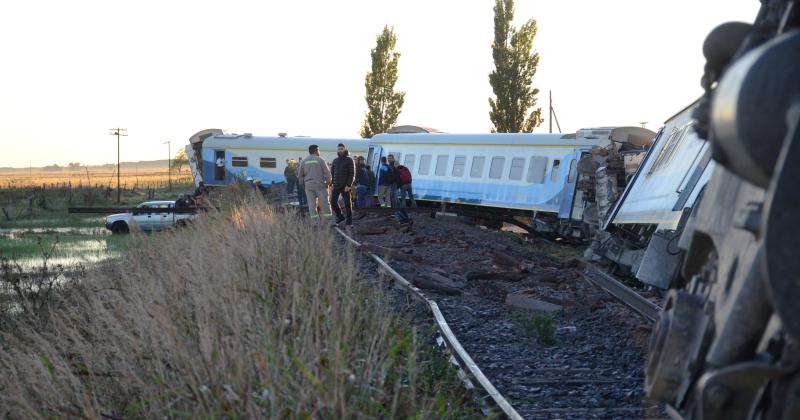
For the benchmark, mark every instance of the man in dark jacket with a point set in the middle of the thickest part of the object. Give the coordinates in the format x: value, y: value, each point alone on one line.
x: 386, y: 181
x: 362, y: 183
x: 343, y: 175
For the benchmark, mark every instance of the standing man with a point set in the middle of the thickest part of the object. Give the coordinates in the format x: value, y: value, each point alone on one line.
x: 343, y: 175
x: 385, y: 183
x: 315, y: 176
x: 404, y: 179
x: 301, y: 188
x: 396, y: 186
x: 220, y: 168
x: 290, y: 173
x: 362, y: 183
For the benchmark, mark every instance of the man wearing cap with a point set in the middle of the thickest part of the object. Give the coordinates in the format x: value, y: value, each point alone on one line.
x: 315, y: 176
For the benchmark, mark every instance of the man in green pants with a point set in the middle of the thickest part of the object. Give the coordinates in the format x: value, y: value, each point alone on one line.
x: 316, y: 176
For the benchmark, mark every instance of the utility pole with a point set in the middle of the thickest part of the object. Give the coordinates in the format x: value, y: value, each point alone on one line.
x: 169, y: 166
x: 553, y: 115
x: 118, y: 132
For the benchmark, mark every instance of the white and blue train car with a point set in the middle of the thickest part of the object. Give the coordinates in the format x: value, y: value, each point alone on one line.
x: 516, y: 171
x: 261, y: 158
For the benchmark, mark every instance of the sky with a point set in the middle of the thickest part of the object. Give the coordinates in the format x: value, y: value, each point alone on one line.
x: 71, y: 70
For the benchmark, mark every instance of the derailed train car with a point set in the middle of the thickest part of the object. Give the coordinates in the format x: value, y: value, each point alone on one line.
x: 639, y: 231
x: 727, y: 343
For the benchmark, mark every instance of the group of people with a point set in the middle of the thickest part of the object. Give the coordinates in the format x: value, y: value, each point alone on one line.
x: 394, y: 184
x: 194, y: 200
x: 344, y: 176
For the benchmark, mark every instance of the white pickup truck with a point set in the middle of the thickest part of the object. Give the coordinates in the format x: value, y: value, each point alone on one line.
x: 148, y: 219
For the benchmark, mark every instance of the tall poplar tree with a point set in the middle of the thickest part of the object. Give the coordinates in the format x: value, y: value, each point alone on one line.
x: 514, y: 109
x: 383, y: 103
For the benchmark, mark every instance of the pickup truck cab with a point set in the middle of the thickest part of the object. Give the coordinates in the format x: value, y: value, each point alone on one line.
x: 148, y: 219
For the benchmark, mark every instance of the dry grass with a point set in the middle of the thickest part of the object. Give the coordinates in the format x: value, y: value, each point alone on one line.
x: 140, y: 179
x: 252, y: 314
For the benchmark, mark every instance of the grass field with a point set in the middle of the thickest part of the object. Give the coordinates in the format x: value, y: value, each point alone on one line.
x: 282, y: 329
x: 83, y: 178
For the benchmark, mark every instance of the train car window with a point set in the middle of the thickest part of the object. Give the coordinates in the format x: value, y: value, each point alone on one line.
x: 239, y: 161
x: 409, y: 163
x: 667, y: 152
x: 476, y: 171
x: 269, y: 163
x: 537, y: 169
x: 458, y: 166
x: 424, y: 164
x: 441, y: 164
x: 517, y: 165
x: 496, y: 167
x: 554, y: 171
x: 573, y: 171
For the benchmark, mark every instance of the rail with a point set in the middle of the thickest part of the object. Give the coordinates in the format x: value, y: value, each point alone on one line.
x: 624, y: 294
x: 461, y: 355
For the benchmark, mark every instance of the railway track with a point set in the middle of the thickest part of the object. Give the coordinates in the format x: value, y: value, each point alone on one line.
x: 457, y: 351
x: 593, y: 368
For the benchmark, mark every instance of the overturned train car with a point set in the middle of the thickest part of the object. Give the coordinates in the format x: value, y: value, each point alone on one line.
x: 640, y: 223
x: 727, y: 345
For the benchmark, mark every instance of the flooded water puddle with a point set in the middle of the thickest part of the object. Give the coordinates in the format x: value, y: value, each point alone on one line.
x: 66, y: 246
x: 17, y: 233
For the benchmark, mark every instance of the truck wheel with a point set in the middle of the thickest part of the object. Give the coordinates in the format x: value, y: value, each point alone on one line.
x: 119, y: 227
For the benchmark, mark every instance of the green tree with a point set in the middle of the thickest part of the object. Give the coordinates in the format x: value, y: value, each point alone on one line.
x: 179, y: 160
x: 383, y: 102
x: 514, y: 110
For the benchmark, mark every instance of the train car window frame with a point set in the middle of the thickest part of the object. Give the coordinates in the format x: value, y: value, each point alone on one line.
x: 573, y: 171
x: 409, y: 162
x: 495, y: 171
x: 424, y: 165
x: 239, y: 161
x: 516, y: 169
x: 554, y: 169
x: 472, y: 170
x: 459, y: 164
x: 537, y: 170
x: 441, y: 165
x: 268, y: 162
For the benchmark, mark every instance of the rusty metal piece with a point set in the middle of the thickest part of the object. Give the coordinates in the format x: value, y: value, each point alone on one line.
x: 624, y: 294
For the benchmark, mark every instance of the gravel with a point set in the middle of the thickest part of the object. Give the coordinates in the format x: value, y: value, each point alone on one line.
x: 592, y: 368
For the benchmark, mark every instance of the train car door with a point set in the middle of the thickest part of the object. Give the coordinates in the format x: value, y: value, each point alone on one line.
x: 567, y: 201
x: 578, y: 201
x: 219, y: 170
x: 374, y: 161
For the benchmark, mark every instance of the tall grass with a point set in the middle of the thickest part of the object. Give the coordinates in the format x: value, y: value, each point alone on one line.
x: 248, y: 314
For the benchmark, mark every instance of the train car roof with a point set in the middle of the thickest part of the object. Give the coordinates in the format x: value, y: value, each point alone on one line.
x: 522, y: 139
x: 244, y: 141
